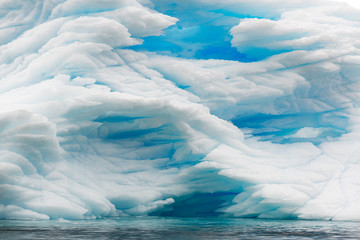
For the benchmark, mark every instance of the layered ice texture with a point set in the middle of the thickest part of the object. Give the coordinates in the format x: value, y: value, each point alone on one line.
x: 179, y: 108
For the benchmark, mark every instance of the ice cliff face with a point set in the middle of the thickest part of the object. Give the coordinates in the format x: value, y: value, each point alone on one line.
x: 182, y: 108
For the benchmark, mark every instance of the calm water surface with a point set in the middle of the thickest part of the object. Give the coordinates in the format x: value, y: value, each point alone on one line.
x: 179, y: 228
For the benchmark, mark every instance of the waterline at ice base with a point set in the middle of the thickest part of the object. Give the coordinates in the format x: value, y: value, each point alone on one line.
x: 236, y: 108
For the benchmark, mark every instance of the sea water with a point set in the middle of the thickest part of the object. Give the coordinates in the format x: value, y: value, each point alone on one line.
x: 178, y: 228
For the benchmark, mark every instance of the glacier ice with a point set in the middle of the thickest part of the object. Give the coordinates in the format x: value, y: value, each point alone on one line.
x: 120, y: 108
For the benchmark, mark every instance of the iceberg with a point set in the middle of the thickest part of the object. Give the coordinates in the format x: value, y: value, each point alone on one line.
x: 179, y: 108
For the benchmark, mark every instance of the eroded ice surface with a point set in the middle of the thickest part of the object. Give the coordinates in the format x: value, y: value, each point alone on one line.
x: 180, y: 108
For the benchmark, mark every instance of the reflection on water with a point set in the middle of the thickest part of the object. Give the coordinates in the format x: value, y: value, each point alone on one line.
x: 178, y: 228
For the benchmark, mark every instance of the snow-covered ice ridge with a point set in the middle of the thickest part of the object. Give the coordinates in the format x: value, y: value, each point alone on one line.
x: 235, y: 108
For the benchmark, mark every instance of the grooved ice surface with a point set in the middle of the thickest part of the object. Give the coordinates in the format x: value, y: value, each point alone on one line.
x: 181, y: 108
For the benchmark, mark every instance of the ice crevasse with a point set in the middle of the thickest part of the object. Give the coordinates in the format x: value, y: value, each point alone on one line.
x: 97, y: 121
